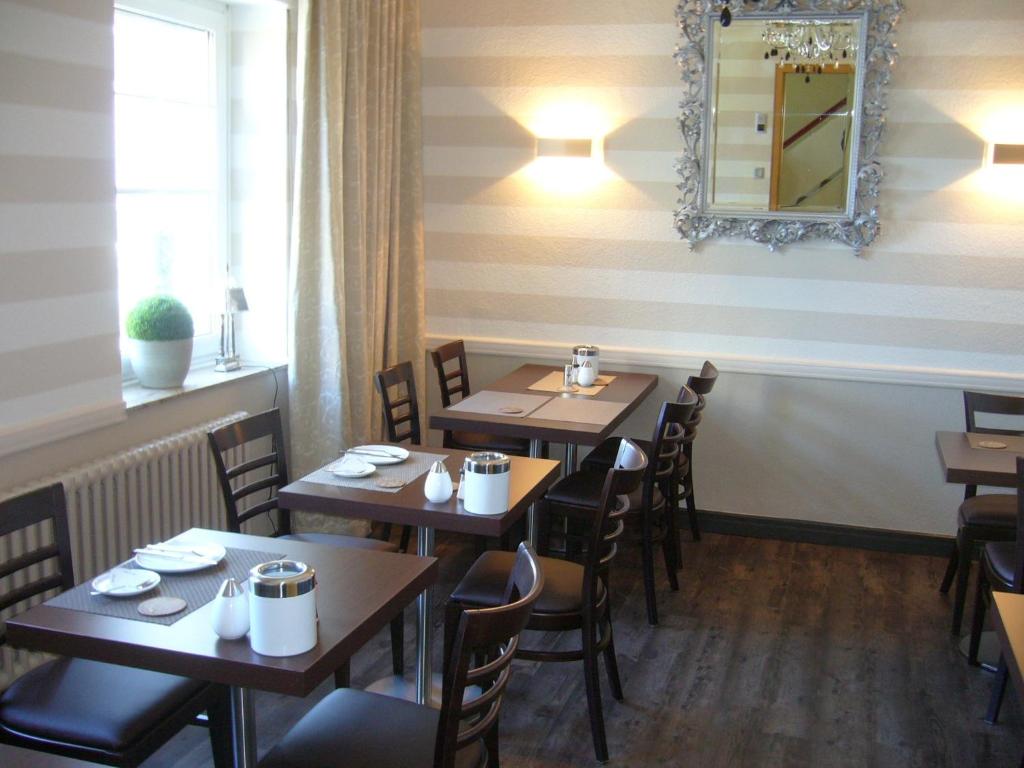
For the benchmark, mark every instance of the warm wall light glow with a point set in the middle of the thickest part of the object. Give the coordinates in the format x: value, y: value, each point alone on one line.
x: 566, y: 175
x: 570, y: 120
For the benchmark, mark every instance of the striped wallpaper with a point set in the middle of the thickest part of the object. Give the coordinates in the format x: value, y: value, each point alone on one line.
x: 513, y: 263
x: 61, y: 369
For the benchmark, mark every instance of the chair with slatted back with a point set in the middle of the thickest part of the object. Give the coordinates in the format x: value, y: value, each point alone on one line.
x: 1002, y: 569
x: 58, y: 707
x: 575, y: 595
x: 397, y: 388
x: 356, y: 728
x: 453, y: 381
x: 262, y: 476
x: 984, y: 517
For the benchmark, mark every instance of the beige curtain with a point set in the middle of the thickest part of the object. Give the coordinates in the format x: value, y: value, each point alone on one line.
x: 357, y: 244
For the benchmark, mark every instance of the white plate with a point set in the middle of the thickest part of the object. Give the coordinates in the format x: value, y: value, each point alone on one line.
x: 396, y: 454
x: 125, y: 582
x: 171, y: 563
x: 365, y: 471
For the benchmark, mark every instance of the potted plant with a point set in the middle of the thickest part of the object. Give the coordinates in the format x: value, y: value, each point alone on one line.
x: 160, y: 329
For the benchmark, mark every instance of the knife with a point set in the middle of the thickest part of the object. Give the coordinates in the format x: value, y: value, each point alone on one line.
x: 170, y: 555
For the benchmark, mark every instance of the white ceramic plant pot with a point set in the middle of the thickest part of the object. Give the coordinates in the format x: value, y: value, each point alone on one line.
x: 161, y: 364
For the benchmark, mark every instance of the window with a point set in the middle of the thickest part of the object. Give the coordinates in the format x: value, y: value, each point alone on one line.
x: 170, y: 105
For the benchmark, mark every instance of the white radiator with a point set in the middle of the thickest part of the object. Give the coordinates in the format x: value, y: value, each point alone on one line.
x: 120, y: 502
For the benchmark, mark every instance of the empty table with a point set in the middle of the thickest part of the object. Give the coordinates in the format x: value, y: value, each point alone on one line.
x: 360, y: 591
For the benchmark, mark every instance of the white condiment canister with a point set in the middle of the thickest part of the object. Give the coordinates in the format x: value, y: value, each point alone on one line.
x: 589, y: 353
x: 438, y: 485
x: 282, y: 608
x: 487, y: 483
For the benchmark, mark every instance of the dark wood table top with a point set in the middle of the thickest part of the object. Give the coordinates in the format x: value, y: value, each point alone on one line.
x: 359, y: 592
x: 629, y: 388
x: 1009, y: 622
x: 979, y: 466
x: 408, y: 506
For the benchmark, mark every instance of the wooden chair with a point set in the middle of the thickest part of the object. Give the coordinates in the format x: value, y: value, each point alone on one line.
x: 985, y: 517
x: 356, y: 728
x: 651, y: 503
x: 454, y: 381
x: 87, y: 710
x: 1002, y: 569
x: 259, y: 497
x: 575, y: 596
x: 397, y: 388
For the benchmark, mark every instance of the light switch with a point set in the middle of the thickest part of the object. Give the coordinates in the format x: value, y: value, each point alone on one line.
x: 759, y: 172
x: 760, y: 122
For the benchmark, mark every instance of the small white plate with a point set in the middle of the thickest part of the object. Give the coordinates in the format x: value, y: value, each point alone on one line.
x: 394, y: 454
x: 180, y: 558
x: 363, y: 471
x: 125, y: 582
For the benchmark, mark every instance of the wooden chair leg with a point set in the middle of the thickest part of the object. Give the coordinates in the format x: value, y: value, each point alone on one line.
x: 398, y: 644
x: 343, y: 676
x: 995, y: 702
x: 668, y: 550
x: 965, y: 546
x: 452, y: 613
x: 219, y: 722
x: 491, y: 744
x: 594, y: 691
x: 648, y: 569
x: 403, y: 544
x: 611, y: 663
x: 951, y: 566
x: 978, y: 617
x: 691, y: 502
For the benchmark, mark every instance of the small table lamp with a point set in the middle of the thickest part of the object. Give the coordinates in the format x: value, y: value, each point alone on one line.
x: 234, y: 301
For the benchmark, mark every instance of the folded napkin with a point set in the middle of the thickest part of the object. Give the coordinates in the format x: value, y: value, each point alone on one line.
x: 349, y: 464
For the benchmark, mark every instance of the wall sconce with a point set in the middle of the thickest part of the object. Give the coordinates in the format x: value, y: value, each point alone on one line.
x: 547, y: 147
x: 1008, y: 154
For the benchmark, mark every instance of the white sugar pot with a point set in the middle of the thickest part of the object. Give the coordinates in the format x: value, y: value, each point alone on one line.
x: 588, y: 353
x: 282, y: 608
x: 487, y: 483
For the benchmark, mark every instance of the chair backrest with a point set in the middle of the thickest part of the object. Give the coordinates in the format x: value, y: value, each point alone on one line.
x: 608, y: 524
x: 397, y: 388
x: 701, y: 385
x: 456, y: 380
x: 984, y: 402
x: 27, y: 511
x: 485, y: 643
x: 670, y: 433
x: 1018, y: 571
x: 246, y: 476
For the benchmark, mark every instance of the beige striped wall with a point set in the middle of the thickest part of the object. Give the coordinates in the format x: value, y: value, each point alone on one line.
x: 935, y: 304
x: 60, y: 369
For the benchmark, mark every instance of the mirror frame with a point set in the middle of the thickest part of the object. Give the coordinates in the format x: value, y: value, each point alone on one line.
x: 694, y: 220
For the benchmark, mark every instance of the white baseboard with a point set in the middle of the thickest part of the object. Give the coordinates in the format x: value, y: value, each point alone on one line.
x: 992, y: 381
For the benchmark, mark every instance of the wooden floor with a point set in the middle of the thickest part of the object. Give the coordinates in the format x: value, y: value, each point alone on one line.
x: 771, y: 654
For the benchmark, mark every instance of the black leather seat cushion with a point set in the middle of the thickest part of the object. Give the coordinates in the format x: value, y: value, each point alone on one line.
x: 583, y: 489
x: 996, y: 513
x: 479, y: 441
x: 484, y: 583
x: 340, y: 540
x: 1001, y: 557
x: 355, y: 728
x: 89, y: 703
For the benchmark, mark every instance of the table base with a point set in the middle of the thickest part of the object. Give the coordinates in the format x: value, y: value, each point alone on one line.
x: 243, y: 727
x: 397, y: 687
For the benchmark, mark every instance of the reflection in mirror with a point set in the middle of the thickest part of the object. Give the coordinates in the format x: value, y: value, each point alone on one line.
x: 782, y: 115
x: 783, y: 92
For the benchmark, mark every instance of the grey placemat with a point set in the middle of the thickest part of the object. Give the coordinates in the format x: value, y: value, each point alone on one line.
x: 196, y: 588
x: 417, y: 464
x: 579, y: 410
x: 490, y: 402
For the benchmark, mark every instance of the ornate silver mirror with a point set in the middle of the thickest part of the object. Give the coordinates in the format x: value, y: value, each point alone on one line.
x: 782, y: 117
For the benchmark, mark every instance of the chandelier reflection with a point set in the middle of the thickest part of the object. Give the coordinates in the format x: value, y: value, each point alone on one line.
x: 811, y: 43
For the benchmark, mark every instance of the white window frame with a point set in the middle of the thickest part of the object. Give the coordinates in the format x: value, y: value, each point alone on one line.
x: 213, y: 17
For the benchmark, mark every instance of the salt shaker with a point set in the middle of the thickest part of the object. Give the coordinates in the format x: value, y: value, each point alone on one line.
x: 230, y: 615
x: 438, y: 485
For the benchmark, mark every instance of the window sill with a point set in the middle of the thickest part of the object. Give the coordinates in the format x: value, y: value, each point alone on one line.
x: 137, y: 396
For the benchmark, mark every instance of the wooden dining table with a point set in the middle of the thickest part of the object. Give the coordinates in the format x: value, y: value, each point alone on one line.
x: 965, y: 460
x: 626, y: 389
x: 528, y: 479
x: 358, y: 593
